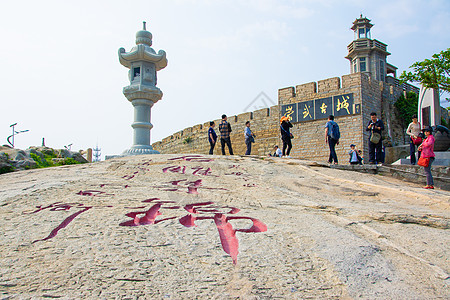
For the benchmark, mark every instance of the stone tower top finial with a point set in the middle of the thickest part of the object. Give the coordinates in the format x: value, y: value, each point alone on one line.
x: 143, y: 36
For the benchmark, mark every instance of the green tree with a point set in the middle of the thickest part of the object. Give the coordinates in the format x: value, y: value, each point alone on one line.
x: 405, y: 108
x: 432, y: 73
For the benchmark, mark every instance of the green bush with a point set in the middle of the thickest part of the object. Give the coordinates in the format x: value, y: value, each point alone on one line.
x: 42, y: 163
x: 187, y: 140
x: 6, y: 169
x: 406, y: 108
x: 68, y: 161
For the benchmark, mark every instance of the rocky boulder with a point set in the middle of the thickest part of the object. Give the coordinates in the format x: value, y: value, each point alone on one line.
x: 36, y: 157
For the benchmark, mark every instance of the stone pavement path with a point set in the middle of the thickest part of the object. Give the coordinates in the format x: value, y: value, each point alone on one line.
x: 213, y: 227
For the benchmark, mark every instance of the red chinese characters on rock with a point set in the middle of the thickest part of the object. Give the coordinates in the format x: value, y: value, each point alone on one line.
x: 59, y: 206
x: 198, y: 212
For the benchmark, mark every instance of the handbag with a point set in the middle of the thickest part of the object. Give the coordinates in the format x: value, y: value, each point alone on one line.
x: 251, y: 139
x: 375, y: 137
x: 424, y: 161
x: 290, y: 134
x: 417, y: 141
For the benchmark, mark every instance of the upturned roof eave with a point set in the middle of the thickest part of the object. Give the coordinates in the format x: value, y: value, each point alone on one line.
x: 140, y: 54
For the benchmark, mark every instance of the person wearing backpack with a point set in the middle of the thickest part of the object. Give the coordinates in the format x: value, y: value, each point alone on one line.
x: 332, y: 135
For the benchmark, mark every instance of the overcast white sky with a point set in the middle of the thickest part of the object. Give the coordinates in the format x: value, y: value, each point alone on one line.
x: 61, y: 79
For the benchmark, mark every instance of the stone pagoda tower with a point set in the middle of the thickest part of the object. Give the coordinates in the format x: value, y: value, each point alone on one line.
x: 142, y: 92
x: 367, y: 55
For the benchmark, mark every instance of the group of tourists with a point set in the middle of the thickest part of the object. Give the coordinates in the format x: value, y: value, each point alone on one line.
x: 422, y: 138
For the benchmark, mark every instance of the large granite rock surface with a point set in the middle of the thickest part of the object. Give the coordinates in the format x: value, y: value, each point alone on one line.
x: 215, y: 227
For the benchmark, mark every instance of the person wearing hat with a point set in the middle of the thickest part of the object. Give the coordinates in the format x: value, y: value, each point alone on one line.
x: 286, y: 136
x: 427, y: 148
x: 355, y: 159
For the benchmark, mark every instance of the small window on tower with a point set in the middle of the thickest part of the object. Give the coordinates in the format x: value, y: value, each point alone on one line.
x: 362, y: 64
x: 362, y: 33
x: 136, y: 72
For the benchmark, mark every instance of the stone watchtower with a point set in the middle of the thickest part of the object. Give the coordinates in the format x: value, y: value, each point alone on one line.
x: 142, y: 92
x: 367, y: 55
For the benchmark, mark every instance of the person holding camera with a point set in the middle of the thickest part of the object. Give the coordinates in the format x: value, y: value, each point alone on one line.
x: 286, y: 135
x: 375, y: 127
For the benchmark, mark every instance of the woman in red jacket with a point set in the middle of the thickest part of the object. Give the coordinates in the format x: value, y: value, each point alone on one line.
x: 427, y: 147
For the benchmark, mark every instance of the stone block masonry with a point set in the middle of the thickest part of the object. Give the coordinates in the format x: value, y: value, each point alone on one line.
x: 264, y: 123
x: 309, y: 141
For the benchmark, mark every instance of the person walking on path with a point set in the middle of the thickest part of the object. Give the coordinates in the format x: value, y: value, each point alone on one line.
x: 249, y: 138
x: 225, y: 130
x: 375, y: 127
x: 427, y: 148
x: 332, y: 135
x: 286, y: 136
x: 414, y: 131
x: 212, y: 137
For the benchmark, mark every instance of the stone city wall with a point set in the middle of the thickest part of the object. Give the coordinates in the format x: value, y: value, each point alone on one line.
x: 264, y: 123
x: 309, y: 136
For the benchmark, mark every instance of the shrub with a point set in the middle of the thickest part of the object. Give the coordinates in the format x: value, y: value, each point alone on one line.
x: 187, y: 140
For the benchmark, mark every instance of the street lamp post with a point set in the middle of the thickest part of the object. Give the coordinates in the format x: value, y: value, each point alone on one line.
x: 14, y: 132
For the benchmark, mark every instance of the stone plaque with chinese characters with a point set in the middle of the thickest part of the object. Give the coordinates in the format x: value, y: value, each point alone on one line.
x: 318, y: 109
x: 306, y: 111
x: 290, y: 111
x: 343, y: 105
x: 323, y: 108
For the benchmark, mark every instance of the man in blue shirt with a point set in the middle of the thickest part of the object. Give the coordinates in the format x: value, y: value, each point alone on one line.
x: 212, y: 136
x: 249, y: 138
x: 331, y: 140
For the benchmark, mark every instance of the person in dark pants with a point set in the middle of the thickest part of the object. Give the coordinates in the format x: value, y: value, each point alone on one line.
x: 414, y: 132
x: 331, y: 140
x: 225, y: 130
x: 212, y: 137
x: 249, y: 138
x: 375, y: 149
x: 286, y: 136
x: 427, y: 148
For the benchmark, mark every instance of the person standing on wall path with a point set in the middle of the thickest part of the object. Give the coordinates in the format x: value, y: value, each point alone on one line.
x: 249, y: 138
x: 286, y: 136
x: 427, y: 148
x: 413, y: 131
x: 225, y: 130
x: 212, y: 137
x: 332, y: 135
x: 375, y: 127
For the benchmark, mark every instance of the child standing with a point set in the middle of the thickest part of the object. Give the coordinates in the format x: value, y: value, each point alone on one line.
x: 355, y: 159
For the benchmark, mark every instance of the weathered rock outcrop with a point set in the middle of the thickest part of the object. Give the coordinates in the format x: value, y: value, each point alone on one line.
x: 34, y: 157
x: 220, y: 227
